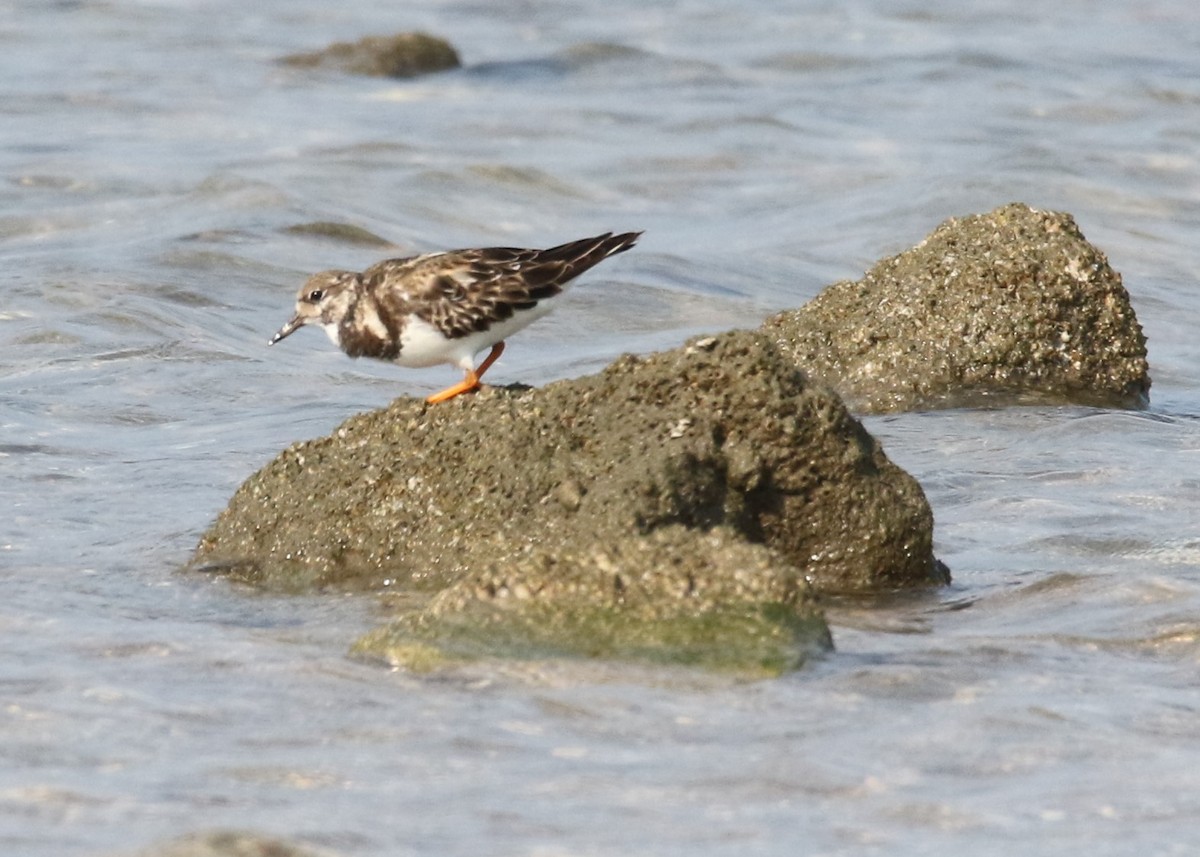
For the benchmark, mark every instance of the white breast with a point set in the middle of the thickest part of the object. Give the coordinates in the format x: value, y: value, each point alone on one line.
x: 421, y: 344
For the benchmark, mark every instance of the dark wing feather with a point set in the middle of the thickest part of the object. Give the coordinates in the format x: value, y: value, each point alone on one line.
x: 465, y: 291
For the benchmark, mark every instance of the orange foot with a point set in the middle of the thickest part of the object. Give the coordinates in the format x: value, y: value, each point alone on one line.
x: 471, y: 382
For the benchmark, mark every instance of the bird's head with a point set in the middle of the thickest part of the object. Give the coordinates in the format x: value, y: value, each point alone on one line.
x: 325, y: 299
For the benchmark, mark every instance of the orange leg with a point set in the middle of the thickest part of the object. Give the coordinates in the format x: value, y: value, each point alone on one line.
x: 471, y: 382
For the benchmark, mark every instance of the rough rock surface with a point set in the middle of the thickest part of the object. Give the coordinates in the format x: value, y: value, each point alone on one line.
x: 1009, y: 307
x: 401, y: 55
x: 707, y: 483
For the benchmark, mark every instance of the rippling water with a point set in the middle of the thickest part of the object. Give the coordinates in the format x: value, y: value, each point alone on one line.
x: 152, y: 155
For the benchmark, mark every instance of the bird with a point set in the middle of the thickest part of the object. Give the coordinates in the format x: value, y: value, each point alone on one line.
x: 445, y: 307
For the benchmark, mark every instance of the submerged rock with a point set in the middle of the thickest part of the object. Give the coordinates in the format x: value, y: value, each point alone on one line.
x: 401, y: 55
x: 1009, y: 307
x: 657, y: 510
x: 675, y: 595
x: 229, y: 843
x: 344, y: 232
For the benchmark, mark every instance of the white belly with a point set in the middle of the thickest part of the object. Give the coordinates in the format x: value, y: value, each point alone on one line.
x: 422, y: 345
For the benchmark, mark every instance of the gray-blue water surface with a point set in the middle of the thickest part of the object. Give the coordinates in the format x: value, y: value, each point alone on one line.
x: 152, y: 152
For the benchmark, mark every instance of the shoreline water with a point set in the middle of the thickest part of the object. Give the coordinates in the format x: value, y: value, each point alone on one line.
x: 1046, y: 698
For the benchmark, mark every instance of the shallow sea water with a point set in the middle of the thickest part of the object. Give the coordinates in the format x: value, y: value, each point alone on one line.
x: 151, y: 153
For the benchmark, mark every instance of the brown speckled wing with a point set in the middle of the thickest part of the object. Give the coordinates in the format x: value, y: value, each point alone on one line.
x: 465, y: 291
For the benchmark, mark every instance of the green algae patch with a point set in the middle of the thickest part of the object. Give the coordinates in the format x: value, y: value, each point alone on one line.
x: 754, y: 641
x: 1010, y: 307
x: 673, y: 598
x: 406, y: 652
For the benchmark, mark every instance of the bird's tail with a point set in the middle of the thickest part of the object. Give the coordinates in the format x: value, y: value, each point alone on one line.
x: 577, y: 256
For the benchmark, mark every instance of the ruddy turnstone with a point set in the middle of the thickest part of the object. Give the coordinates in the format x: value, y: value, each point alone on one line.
x: 445, y: 307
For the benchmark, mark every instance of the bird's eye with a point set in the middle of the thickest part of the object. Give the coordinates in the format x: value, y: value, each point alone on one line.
x: 315, y: 296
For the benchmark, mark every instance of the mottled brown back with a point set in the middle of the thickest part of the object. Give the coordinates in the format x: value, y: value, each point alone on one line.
x: 465, y: 291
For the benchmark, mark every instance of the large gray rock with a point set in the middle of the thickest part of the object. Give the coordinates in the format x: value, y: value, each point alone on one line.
x: 1009, y: 307
x: 657, y: 510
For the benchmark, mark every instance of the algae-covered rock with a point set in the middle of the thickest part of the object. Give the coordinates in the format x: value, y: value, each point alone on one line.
x: 676, y: 596
x: 675, y: 497
x: 401, y: 55
x: 1013, y: 306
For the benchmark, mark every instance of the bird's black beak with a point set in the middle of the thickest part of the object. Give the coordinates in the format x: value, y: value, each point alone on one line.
x: 287, y: 330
